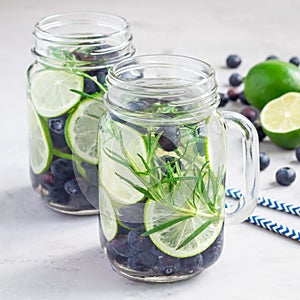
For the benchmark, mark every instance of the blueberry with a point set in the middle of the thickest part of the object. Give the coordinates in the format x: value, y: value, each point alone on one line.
x: 137, y: 241
x: 90, y: 87
x: 58, y: 196
x: 101, y: 75
x: 213, y: 252
x: 121, y: 247
x: 295, y: 61
x: 223, y: 99
x: 233, y: 94
x: 285, y: 176
x: 250, y: 113
x: 62, y: 168
x: 264, y: 161
x: 132, y: 215
x: 57, y: 125
x: 167, y: 162
x: 170, y: 137
x: 260, y: 132
x: 72, y: 188
x: 143, y: 261
x: 192, y: 264
x: 272, y: 57
x: 233, y: 61
x: 235, y: 79
x: 243, y: 98
x: 155, y: 251
x: 168, y: 265
x: 50, y: 182
x: 297, y: 152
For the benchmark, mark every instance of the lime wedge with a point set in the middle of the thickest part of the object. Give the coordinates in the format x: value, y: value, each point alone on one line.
x: 113, y: 171
x: 51, y: 92
x: 81, y: 130
x: 39, y: 142
x: 108, y: 218
x: 280, y: 120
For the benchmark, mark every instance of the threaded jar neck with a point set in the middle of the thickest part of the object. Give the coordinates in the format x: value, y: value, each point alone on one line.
x: 167, y: 86
x: 82, y: 40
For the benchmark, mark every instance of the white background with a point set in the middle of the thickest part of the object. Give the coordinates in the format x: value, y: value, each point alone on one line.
x: 46, y: 255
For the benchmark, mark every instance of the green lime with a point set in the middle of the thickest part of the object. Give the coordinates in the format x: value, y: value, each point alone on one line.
x: 269, y: 80
x: 81, y: 129
x: 169, y: 239
x: 39, y: 142
x: 121, y: 149
x: 51, y: 92
x: 280, y: 120
x: 108, y: 218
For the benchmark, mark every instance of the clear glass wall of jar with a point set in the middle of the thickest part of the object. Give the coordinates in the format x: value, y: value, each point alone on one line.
x: 66, y: 83
x: 162, y: 153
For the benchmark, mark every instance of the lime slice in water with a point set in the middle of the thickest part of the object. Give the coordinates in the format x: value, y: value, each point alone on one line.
x: 51, y: 92
x: 81, y: 130
x: 39, y: 142
x: 280, y: 120
x: 112, y: 170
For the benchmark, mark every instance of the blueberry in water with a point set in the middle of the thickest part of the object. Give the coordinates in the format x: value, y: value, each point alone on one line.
x: 192, y: 264
x: 297, y: 152
x: 155, y: 251
x: 72, y: 188
x: 168, y: 163
x: 50, y: 182
x: 235, y: 79
x: 143, y: 261
x: 295, y: 61
x: 264, y: 161
x: 285, y: 176
x: 272, y: 57
x: 223, y: 99
x: 233, y: 61
x: 243, y: 98
x: 260, y: 132
x: 170, y: 137
x: 168, y: 265
x: 58, y: 196
x: 62, y: 168
x: 90, y: 87
x: 233, y: 94
x: 121, y: 247
x: 250, y: 113
x: 56, y: 128
x: 101, y: 75
x: 137, y: 241
x: 132, y: 215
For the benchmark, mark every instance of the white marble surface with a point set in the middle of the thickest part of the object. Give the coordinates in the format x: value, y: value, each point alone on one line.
x: 46, y: 255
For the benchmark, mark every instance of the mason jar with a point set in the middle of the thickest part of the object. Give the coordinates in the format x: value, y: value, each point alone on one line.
x: 73, y: 53
x: 162, y: 166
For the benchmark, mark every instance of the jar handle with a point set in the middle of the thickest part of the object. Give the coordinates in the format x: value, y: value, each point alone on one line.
x: 245, y: 206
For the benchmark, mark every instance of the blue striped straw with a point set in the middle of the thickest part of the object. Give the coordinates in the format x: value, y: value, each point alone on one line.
x: 269, y: 224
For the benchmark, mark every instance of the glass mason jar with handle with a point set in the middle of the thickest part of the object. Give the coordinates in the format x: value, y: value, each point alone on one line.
x: 162, y: 152
x: 66, y: 83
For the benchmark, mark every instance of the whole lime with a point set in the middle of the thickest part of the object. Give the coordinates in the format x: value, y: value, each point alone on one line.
x: 269, y: 80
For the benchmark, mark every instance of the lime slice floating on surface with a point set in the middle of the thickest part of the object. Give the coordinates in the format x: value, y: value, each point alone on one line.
x: 119, y: 190
x: 81, y: 129
x: 280, y: 120
x: 51, y: 92
x: 39, y: 142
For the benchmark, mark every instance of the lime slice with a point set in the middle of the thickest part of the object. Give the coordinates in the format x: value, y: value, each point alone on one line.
x: 280, y: 120
x: 112, y: 170
x: 107, y: 216
x: 39, y: 142
x: 51, y: 92
x: 81, y: 130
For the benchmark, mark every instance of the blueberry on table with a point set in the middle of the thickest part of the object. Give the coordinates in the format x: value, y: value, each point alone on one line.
x: 235, y: 79
x: 90, y: 87
x: 168, y: 265
x: 260, y: 132
x: 250, y: 113
x: 264, y: 161
x: 285, y: 176
x: 62, y: 168
x: 297, y: 152
x: 233, y: 61
x: 233, y: 94
x: 243, y: 98
x: 137, y: 241
x: 272, y: 57
x: 223, y: 99
x: 192, y: 264
x: 143, y: 261
x: 295, y: 61
x: 170, y: 137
